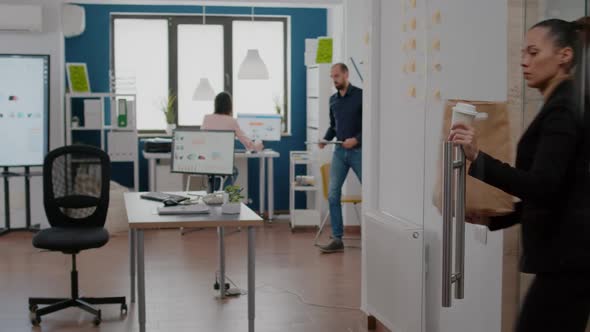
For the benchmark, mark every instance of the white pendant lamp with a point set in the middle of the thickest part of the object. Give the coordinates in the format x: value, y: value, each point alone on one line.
x: 204, y: 91
x: 253, y: 68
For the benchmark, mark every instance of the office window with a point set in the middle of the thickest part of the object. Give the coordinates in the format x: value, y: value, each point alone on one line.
x: 141, y: 51
x: 260, y: 96
x: 200, y: 55
x: 172, y: 53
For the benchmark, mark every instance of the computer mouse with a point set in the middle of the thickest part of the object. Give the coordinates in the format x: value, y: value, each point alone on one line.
x: 170, y: 202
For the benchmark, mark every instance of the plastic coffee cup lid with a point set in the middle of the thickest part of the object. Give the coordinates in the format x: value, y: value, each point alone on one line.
x: 465, y: 109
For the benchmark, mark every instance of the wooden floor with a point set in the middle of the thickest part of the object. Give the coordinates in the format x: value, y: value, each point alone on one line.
x: 291, y: 276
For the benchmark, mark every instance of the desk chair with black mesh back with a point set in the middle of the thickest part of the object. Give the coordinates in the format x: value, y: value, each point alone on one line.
x: 76, y: 182
x: 354, y: 200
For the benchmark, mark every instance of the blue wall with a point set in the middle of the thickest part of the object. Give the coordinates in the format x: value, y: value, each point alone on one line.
x: 93, y: 48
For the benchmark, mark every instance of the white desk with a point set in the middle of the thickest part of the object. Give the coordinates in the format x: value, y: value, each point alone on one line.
x: 265, y: 157
x: 142, y: 216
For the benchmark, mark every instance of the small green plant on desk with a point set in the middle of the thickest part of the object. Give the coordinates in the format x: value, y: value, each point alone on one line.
x: 234, y: 204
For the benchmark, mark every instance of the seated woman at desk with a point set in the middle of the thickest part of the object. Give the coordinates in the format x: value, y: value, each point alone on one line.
x: 222, y: 119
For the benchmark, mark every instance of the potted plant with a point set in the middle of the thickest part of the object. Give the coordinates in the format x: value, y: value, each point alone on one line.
x: 234, y: 201
x: 169, y: 113
x: 279, y: 110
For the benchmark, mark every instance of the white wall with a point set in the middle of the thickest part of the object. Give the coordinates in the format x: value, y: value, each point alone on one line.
x: 49, y: 41
x: 564, y: 9
x: 335, y: 29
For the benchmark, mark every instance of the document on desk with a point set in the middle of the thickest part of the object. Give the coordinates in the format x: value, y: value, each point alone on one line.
x: 184, y: 209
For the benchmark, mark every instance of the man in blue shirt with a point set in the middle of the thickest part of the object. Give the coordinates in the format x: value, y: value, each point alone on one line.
x: 346, y: 123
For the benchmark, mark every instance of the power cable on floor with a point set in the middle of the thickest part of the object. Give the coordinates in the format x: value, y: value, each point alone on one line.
x: 297, y: 295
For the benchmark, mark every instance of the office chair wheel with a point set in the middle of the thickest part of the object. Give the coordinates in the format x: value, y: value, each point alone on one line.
x: 98, y: 319
x: 124, y: 309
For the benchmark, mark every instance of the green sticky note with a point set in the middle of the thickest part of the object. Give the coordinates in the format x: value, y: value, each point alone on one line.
x: 78, y: 78
x: 324, y: 53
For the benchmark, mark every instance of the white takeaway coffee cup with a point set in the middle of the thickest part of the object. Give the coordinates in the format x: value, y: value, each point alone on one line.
x: 466, y: 113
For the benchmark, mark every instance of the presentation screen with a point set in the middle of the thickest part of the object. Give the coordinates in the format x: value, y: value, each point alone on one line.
x: 203, y: 152
x: 264, y: 127
x: 24, y: 109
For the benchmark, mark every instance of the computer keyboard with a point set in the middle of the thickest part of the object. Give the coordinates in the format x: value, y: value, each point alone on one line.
x: 160, y: 197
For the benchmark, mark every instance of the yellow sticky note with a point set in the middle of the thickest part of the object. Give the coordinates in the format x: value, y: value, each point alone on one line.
x: 437, y: 94
x: 436, y: 19
x: 436, y: 45
x: 324, y: 52
x: 413, y: 24
x: 412, y: 92
x: 413, y: 3
x: 437, y: 67
x: 78, y: 75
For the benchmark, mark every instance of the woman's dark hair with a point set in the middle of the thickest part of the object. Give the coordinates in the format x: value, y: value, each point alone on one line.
x: 223, y: 103
x: 568, y: 34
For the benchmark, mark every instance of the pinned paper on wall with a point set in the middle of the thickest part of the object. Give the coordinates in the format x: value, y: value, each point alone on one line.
x: 436, y: 45
x: 405, y: 68
x: 437, y: 94
x: 366, y: 38
x: 413, y: 24
x: 412, y: 92
x: 404, y: 27
x: 413, y: 3
x: 412, y: 66
x: 311, y: 51
x: 437, y: 67
x: 325, y: 49
x: 78, y: 77
x: 413, y: 44
x: 436, y: 19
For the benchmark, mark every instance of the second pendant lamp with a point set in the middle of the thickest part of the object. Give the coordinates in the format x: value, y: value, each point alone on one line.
x: 253, y: 67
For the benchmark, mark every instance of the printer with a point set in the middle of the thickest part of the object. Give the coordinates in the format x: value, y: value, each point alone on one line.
x: 158, y: 145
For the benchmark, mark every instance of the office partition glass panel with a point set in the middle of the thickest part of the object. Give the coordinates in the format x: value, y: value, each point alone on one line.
x: 200, y: 55
x: 141, y: 51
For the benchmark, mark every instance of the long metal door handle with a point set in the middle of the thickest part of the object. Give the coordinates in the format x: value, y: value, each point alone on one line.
x: 453, y: 197
x: 447, y: 235
x: 460, y: 226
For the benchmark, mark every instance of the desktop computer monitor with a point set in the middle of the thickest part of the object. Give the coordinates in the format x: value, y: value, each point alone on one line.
x: 203, y: 152
x: 264, y: 127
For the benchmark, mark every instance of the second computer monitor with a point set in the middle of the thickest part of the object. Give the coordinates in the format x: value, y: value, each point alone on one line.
x: 203, y: 152
x: 264, y: 127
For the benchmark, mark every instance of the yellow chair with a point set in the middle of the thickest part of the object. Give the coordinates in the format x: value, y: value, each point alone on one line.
x: 354, y: 200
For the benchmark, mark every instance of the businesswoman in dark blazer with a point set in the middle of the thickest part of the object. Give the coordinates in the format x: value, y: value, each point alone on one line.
x: 550, y: 178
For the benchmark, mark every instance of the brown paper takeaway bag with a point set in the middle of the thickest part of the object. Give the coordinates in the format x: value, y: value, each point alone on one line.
x: 494, y: 137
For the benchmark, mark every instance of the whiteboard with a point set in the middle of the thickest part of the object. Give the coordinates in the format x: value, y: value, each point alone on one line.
x: 24, y: 109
